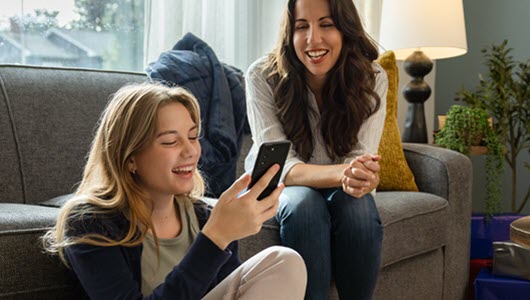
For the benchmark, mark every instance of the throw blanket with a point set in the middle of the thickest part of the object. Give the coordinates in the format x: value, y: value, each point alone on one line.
x: 219, y: 88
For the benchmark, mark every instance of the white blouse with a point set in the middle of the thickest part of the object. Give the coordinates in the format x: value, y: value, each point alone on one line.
x: 266, y: 127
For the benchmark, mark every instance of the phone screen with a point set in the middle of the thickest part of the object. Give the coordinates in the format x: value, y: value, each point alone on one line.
x: 269, y: 153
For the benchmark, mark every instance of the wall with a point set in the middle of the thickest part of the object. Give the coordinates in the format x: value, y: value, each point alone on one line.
x: 487, y: 22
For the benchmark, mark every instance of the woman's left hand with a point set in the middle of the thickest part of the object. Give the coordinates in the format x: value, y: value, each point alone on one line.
x: 361, y: 177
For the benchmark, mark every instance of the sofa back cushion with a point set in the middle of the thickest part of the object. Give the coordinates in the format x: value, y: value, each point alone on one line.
x: 10, y: 183
x: 47, y: 120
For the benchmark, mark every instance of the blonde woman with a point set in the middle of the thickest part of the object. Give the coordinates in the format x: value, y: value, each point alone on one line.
x: 135, y: 228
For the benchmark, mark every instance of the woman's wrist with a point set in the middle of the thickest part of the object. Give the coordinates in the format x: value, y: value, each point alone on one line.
x: 340, y: 173
x: 215, y: 237
x: 316, y: 176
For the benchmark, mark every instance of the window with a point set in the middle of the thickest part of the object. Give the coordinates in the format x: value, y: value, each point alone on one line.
x: 238, y: 31
x: 73, y: 33
x: 110, y: 34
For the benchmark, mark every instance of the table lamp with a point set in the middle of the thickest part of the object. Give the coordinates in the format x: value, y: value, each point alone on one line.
x: 418, y: 31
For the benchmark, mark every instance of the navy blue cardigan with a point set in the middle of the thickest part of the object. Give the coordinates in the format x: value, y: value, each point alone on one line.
x: 115, y: 272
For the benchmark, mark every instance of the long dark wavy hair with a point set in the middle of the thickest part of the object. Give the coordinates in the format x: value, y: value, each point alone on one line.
x: 347, y: 93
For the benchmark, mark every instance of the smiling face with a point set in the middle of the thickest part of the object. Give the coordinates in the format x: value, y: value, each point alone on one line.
x: 317, y: 41
x: 166, y: 166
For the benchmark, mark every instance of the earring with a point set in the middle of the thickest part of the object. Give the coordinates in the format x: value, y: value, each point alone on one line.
x: 134, y: 172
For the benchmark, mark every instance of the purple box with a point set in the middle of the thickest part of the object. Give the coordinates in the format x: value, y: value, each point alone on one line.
x: 491, y: 287
x: 483, y: 233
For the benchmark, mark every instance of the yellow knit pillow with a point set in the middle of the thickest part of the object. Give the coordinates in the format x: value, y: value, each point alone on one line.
x: 395, y: 173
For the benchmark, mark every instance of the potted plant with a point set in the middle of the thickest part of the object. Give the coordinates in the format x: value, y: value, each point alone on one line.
x: 505, y: 95
x: 466, y: 127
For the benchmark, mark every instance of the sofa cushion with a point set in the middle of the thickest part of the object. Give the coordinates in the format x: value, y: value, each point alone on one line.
x: 26, y: 217
x: 413, y: 223
x: 58, y: 201
x: 395, y: 173
x: 10, y: 173
x: 53, y: 112
x: 27, y: 272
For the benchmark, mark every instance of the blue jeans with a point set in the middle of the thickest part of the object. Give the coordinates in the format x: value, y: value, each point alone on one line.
x: 336, y: 234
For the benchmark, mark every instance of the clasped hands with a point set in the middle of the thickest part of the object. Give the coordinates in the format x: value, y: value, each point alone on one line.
x: 361, y: 176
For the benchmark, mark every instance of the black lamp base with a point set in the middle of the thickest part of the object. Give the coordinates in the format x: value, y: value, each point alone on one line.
x: 416, y: 92
x: 415, y: 125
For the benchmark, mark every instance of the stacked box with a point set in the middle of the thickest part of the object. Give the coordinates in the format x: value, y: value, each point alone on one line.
x: 483, y: 233
x: 491, y: 287
x: 475, y: 266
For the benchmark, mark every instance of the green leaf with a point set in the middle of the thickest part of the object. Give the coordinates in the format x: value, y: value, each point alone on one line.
x: 504, y: 94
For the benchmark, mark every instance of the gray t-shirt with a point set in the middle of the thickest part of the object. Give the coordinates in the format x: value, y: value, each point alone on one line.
x: 172, y: 250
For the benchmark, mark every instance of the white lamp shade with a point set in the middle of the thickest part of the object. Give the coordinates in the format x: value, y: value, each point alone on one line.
x: 436, y: 27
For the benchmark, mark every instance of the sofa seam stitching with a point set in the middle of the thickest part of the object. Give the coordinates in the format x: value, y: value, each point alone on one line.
x: 438, y: 246
x: 15, y: 136
x: 32, y: 230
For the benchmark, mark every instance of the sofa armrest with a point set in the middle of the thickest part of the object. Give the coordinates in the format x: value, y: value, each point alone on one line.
x: 438, y: 170
x: 448, y: 174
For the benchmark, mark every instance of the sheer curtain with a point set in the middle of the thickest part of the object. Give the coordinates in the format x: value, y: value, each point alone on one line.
x: 239, y: 31
x: 370, y: 11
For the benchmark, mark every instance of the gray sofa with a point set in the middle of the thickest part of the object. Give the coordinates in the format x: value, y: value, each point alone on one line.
x: 47, y: 117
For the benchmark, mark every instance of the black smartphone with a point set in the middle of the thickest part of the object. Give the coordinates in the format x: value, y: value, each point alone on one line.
x: 269, y: 153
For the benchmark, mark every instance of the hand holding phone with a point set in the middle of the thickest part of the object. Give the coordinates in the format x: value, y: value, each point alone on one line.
x: 269, y: 153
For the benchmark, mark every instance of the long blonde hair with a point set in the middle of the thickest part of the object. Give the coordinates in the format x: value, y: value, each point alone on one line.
x: 126, y: 127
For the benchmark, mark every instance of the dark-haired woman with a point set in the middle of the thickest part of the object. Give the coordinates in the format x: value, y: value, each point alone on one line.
x: 321, y: 90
